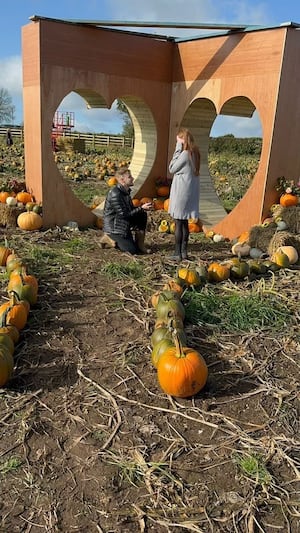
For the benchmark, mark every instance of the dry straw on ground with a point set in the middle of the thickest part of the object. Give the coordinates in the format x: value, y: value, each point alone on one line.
x: 9, y: 215
x: 268, y: 238
x: 284, y: 238
x: 260, y: 236
x: 290, y: 215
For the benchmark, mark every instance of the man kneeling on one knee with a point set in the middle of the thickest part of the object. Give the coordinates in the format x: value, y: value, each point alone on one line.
x: 121, y: 217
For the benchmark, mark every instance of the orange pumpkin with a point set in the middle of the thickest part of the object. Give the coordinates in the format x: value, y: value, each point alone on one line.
x: 288, y: 200
x: 111, y: 182
x: 189, y: 276
x: 166, y: 204
x: 194, y: 228
x: 181, y: 371
x: 30, y: 221
x: 158, y: 204
x: 24, y: 197
x: 217, y: 272
x: 3, y: 196
x: 4, y: 254
x: 145, y: 200
x: 15, y: 312
x: 163, y: 190
x: 136, y: 202
x: 175, y: 286
x: 24, y: 285
x: 244, y: 237
x: 10, y: 330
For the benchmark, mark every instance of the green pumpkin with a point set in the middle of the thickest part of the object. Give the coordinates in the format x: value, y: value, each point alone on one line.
x: 167, y: 309
x: 239, y: 270
x: 166, y: 333
x: 160, y: 348
x: 273, y: 267
x: 6, y: 340
x: 25, y: 292
x: 257, y: 267
x: 6, y: 365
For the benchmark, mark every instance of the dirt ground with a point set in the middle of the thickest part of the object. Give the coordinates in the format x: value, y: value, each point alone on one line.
x: 90, y: 444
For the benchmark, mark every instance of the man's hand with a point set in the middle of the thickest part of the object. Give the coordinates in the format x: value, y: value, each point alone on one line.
x: 147, y: 206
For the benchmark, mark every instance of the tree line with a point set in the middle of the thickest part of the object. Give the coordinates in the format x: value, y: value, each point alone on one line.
x: 226, y: 143
x: 235, y: 145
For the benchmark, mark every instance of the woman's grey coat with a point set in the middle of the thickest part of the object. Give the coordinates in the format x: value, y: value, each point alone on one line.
x: 184, y: 195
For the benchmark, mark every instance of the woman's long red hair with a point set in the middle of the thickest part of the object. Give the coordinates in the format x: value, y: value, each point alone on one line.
x: 189, y: 144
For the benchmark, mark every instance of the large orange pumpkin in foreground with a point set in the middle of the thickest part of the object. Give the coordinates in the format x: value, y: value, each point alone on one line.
x: 181, y: 371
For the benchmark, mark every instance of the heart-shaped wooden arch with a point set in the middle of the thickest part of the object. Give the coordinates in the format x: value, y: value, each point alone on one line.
x: 164, y: 83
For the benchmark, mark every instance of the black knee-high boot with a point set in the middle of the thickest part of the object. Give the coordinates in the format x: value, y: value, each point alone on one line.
x: 184, y: 248
x: 177, y: 253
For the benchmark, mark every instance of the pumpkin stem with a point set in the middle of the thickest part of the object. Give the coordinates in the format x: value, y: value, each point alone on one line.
x: 178, y: 345
x: 14, y: 297
x: 3, y: 322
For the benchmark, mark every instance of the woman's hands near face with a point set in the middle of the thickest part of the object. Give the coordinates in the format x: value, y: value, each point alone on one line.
x: 179, y: 140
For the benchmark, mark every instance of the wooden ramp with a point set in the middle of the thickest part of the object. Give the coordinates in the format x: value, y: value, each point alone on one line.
x: 211, y: 210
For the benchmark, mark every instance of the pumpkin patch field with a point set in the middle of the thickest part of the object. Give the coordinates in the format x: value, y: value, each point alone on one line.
x: 98, y: 430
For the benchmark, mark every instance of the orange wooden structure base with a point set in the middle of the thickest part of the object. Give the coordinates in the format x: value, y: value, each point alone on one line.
x: 164, y: 83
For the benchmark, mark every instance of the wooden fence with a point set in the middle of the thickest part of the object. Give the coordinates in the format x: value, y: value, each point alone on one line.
x: 93, y: 140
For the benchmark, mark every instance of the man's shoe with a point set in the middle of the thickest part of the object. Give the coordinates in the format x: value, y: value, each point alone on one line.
x: 140, y: 242
x: 106, y: 242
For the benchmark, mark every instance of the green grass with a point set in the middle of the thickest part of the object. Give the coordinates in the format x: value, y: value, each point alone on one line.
x: 42, y: 260
x: 253, y: 467
x: 10, y: 465
x: 76, y: 245
x: 131, y: 270
x: 238, y: 309
x: 134, y: 469
x: 86, y: 191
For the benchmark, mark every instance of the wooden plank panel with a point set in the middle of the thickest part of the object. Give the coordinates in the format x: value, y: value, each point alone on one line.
x: 102, y: 50
x: 238, y: 55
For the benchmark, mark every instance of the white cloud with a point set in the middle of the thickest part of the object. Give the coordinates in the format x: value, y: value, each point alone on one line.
x: 238, y: 126
x: 11, y: 80
x: 206, y: 11
x: 92, y: 120
x: 11, y: 75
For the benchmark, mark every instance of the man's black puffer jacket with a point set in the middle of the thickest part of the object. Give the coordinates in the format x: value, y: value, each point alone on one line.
x: 118, y: 211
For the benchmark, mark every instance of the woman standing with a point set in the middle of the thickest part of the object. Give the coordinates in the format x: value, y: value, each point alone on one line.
x: 184, y: 196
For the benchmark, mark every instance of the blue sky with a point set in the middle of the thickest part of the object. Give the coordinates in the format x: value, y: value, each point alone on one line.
x: 16, y: 14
